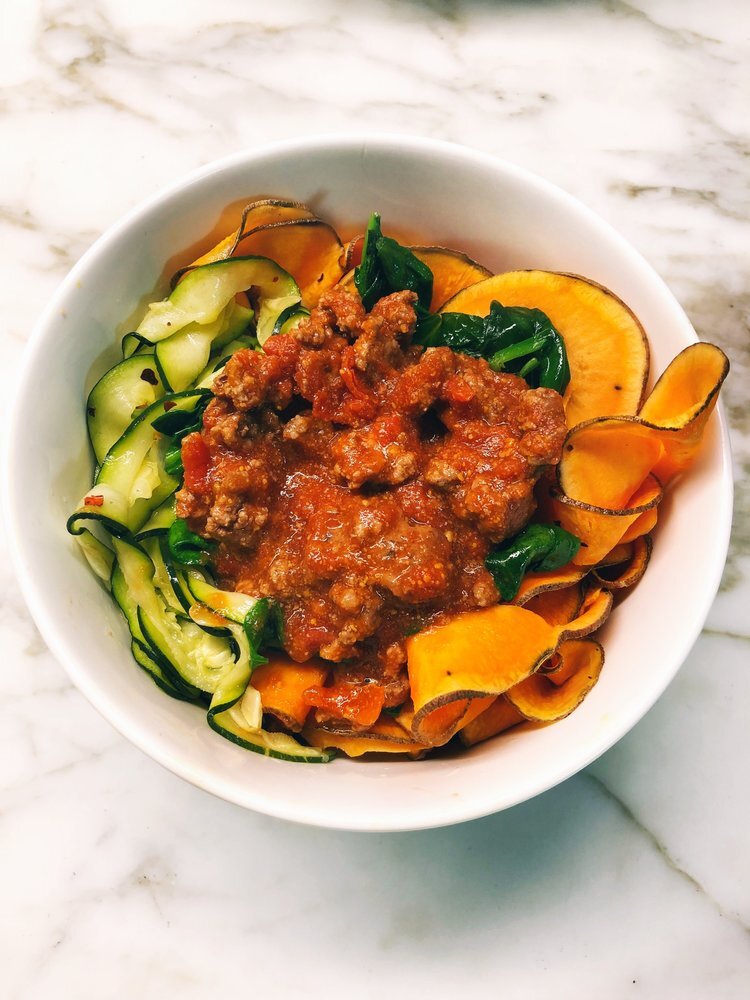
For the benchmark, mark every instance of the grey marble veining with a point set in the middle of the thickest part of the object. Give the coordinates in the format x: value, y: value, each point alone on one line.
x: 631, y: 879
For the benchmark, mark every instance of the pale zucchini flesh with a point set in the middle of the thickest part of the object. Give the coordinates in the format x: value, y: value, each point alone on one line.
x: 132, y: 482
x: 181, y: 358
x: 203, y: 294
x: 118, y: 397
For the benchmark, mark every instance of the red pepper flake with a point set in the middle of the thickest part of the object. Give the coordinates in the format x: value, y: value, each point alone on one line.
x: 169, y: 405
x: 95, y: 500
x: 148, y: 375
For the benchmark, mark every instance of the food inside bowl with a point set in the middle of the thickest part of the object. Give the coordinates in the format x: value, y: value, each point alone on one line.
x: 370, y: 498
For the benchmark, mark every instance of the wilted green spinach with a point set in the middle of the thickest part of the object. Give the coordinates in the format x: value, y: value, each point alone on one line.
x: 511, y: 338
x: 538, y: 547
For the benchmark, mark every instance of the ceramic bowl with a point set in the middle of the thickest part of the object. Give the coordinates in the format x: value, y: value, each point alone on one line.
x: 504, y: 217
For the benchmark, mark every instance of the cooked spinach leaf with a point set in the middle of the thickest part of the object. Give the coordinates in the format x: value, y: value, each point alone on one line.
x: 512, y: 338
x: 173, y: 460
x: 389, y: 267
x: 255, y: 624
x: 538, y: 547
x: 186, y: 547
x: 179, y: 423
x: 273, y: 632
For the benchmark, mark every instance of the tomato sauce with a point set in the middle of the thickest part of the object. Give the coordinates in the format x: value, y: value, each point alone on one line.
x: 360, y: 481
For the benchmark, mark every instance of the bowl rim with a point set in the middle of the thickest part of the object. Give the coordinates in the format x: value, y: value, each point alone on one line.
x: 126, y: 724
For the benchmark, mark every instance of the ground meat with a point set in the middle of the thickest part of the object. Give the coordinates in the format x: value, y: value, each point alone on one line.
x: 338, y: 311
x: 360, y: 481
x: 251, y: 378
x: 385, y: 452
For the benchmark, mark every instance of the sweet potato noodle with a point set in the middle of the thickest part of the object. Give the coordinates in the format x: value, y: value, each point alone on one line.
x: 321, y: 518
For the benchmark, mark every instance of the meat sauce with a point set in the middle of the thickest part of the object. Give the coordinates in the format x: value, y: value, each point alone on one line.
x: 359, y: 481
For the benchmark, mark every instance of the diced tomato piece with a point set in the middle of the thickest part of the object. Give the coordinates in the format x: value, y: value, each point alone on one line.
x: 247, y: 358
x: 458, y: 390
x: 357, y: 703
x: 361, y: 404
x: 388, y: 428
x: 350, y: 376
x: 285, y: 350
x: 196, y: 459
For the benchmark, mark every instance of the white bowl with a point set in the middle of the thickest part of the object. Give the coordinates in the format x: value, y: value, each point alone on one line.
x: 447, y: 194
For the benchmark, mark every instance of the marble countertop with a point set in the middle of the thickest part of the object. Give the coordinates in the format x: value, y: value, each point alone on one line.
x: 631, y: 879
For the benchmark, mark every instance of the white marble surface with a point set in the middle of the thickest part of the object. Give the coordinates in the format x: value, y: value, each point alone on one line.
x: 631, y: 879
